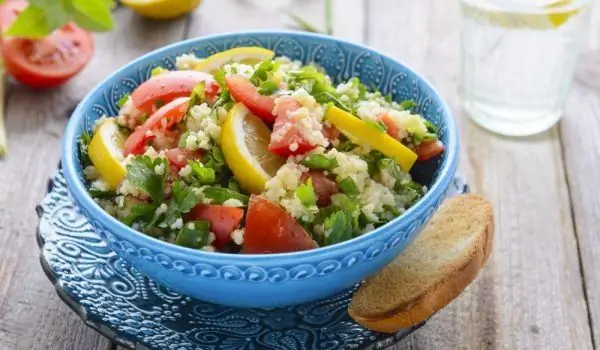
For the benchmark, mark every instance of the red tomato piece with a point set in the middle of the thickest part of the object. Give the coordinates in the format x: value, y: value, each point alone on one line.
x: 323, y: 185
x: 166, y: 87
x: 428, y: 150
x: 390, y: 124
x: 164, y: 118
x: 270, y: 229
x: 51, y: 61
x: 223, y: 220
x: 242, y: 90
x: 286, y: 139
x: 179, y: 157
x: 331, y: 132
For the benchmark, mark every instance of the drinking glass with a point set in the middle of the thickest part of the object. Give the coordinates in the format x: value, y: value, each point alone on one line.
x: 518, y: 61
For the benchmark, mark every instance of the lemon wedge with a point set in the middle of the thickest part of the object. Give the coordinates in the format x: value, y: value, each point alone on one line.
x: 360, y: 132
x: 247, y: 55
x: 106, y: 153
x: 244, y: 142
x: 162, y: 9
x: 519, y: 14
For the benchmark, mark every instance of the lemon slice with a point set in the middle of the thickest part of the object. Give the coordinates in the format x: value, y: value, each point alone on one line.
x: 162, y: 9
x: 106, y: 152
x: 518, y: 14
x: 358, y: 131
x: 245, y: 141
x: 247, y: 55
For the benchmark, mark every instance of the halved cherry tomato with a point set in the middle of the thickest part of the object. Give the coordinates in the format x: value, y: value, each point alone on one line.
x: 242, y: 90
x: 270, y: 229
x: 166, y: 87
x: 165, y: 117
x: 285, y: 131
x: 390, y: 124
x: 179, y: 157
x: 51, y: 61
x: 428, y: 150
x: 331, y: 132
x: 9, y: 10
x: 223, y: 220
x: 323, y: 185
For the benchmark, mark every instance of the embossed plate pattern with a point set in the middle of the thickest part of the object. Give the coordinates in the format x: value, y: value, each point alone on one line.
x: 135, y: 312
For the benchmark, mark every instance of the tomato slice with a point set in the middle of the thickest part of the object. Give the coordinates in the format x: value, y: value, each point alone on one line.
x: 428, y: 150
x: 242, y: 90
x: 323, y: 185
x: 286, y: 139
x: 223, y: 220
x: 51, y: 61
x: 270, y: 229
x: 178, y: 157
x: 166, y: 87
x: 164, y: 118
x: 390, y: 124
x: 331, y: 132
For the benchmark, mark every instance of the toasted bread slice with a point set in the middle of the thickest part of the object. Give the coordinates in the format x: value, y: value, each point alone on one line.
x: 432, y: 271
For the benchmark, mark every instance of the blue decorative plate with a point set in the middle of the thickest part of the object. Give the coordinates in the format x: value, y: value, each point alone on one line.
x: 135, y: 312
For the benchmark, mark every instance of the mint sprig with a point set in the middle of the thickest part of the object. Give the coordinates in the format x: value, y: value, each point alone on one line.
x: 41, y: 17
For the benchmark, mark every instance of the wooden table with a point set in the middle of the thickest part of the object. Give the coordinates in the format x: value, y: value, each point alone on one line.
x: 541, y: 288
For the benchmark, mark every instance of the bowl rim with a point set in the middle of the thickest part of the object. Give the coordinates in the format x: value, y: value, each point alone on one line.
x: 78, y: 190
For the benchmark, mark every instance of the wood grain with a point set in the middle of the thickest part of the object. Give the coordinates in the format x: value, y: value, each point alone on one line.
x: 580, y: 130
x: 31, y: 314
x: 532, y: 286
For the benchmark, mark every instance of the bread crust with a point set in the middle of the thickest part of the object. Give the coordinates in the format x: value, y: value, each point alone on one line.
x: 440, y: 293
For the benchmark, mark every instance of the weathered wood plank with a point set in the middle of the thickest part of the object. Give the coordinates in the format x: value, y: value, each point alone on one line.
x: 31, y: 314
x: 532, y: 285
x: 580, y: 130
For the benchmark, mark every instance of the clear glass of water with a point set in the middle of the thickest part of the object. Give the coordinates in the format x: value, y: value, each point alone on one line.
x: 518, y: 61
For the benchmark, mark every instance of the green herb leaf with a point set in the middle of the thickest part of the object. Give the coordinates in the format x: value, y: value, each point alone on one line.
x: 329, y: 97
x: 262, y: 72
x: 430, y: 127
x: 182, y: 139
x: 202, y: 174
x: 123, y: 100
x: 338, y: 228
x: 372, y: 158
x: 138, y: 211
x: 319, y: 162
x: 95, y: 193
x: 94, y: 15
x: 219, y: 195
x: 84, y: 141
x: 348, y: 206
x: 219, y: 76
x: 306, y: 194
x: 31, y: 23
x: 377, y: 125
x: 348, y: 186
x: 140, y: 173
x: 183, y: 197
x: 234, y: 185
x: 194, y: 234
x: 346, y: 146
x: 408, y: 104
x: 267, y: 88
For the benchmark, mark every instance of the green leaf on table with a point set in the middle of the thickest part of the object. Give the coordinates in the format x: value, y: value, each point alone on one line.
x: 141, y: 173
x: 94, y: 15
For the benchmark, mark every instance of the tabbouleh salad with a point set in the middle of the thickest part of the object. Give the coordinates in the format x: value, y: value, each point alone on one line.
x: 247, y: 152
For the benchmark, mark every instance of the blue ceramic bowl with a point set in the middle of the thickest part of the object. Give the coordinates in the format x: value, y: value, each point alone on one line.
x: 278, y: 279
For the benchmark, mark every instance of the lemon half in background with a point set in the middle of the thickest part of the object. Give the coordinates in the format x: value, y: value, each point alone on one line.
x: 162, y: 9
x: 245, y: 142
x: 106, y: 153
x: 246, y: 55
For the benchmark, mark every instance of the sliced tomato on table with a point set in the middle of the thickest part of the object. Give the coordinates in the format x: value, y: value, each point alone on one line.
x: 286, y: 139
x: 179, y: 157
x: 430, y: 149
x: 323, y: 185
x: 270, y: 229
x: 242, y: 90
x: 223, y: 220
x: 164, y: 88
x: 49, y: 61
x: 164, y: 118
